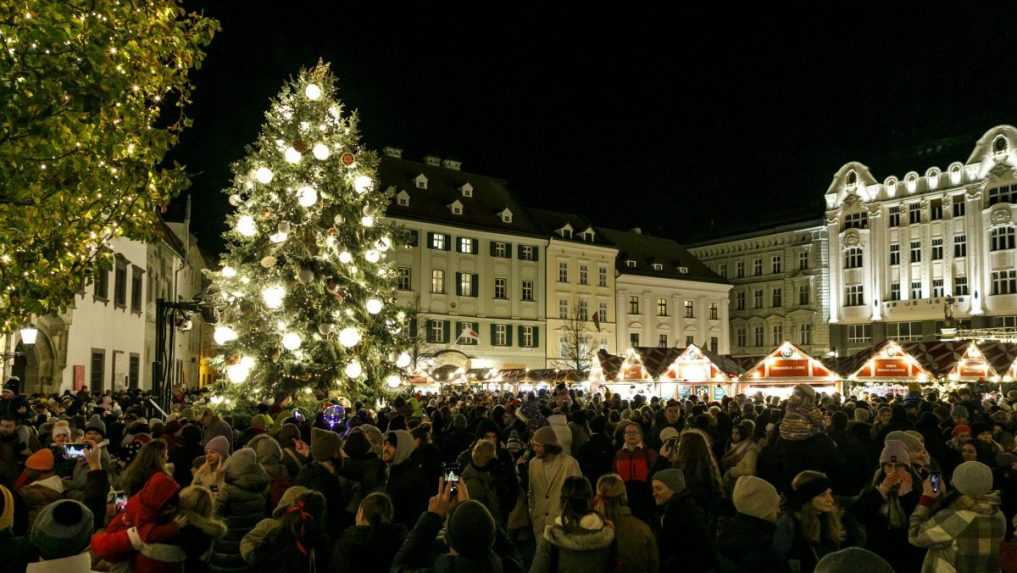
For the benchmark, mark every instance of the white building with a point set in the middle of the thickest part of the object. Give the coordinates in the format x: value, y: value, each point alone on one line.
x: 781, y: 283
x: 475, y: 271
x: 899, y: 246
x: 665, y: 296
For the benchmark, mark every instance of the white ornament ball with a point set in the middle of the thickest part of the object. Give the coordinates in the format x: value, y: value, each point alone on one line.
x: 345, y: 257
x: 353, y: 369
x: 284, y: 227
x: 291, y: 341
x: 372, y: 256
x: 384, y: 244
x: 367, y: 221
x: 321, y: 151
x: 374, y: 305
x: 292, y: 155
x: 339, y: 219
x: 313, y: 92
x: 228, y: 272
x: 273, y: 296
x: 224, y: 334
x: 237, y: 373
x: 264, y: 175
x: 308, y: 196
x: 248, y: 362
x: 403, y: 360
x: 246, y: 226
x: 349, y: 337
x: 362, y: 184
x: 393, y: 381
x: 268, y: 262
x: 305, y: 276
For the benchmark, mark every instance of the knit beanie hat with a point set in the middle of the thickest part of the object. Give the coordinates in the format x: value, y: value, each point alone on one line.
x: 267, y: 449
x: 40, y: 461
x: 374, y: 437
x: 219, y: 445
x: 324, y: 445
x: 243, y: 462
x: 545, y: 436
x: 912, y: 444
x: 356, y: 445
x: 95, y: 424
x: 895, y: 449
x: 261, y: 421
x: 961, y: 429
x: 973, y: 479
x: 673, y: 478
x: 288, y: 433
x: 667, y: 434
x: 61, y: 430
x: 756, y: 497
x: 514, y: 444
x: 851, y: 560
x: 471, y: 530
x: 62, y: 529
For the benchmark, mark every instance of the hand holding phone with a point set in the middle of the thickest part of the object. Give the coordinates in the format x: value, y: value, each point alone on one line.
x: 936, y: 480
x: 450, y: 473
x: 75, y: 451
x: 120, y: 501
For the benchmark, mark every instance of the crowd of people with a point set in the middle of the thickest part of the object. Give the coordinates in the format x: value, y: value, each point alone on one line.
x: 469, y: 480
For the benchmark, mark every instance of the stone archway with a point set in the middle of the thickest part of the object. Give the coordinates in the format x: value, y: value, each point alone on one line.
x: 40, y: 365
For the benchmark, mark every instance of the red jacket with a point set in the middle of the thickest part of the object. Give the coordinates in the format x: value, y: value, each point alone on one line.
x: 139, y: 522
x: 635, y: 465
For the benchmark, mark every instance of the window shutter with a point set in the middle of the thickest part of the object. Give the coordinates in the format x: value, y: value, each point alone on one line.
x: 459, y: 242
x: 536, y: 337
x: 494, y: 335
x: 536, y: 253
x: 476, y: 246
x: 519, y: 327
x: 492, y: 244
x: 430, y: 240
x: 508, y: 335
x: 413, y: 328
x: 414, y: 237
x: 475, y: 285
x: 508, y: 250
x: 459, y: 284
x: 448, y: 242
x: 430, y: 332
x: 445, y: 329
x: 458, y: 330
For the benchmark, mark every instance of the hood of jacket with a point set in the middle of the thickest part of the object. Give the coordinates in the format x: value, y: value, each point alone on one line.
x: 987, y: 504
x: 590, y: 535
x: 404, y: 446
x: 244, y: 471
x: 52, y: 482
x: 159, y: 490
x: 289, y: 497
x: 209, y: 526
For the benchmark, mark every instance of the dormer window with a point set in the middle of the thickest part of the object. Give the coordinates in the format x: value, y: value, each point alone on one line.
x: 683, y: 270
x: 506, y: 216
x: 999, y: 145
x: 658, y: 267
x: 420, y: 181
x: 403, y: 199
x: 467, y: 189
x: 456, y: 207
x: 566, y: 231
x: 630, y: 263
x: 589, y: 235
x: 432, y: 160
x: 852, y: 178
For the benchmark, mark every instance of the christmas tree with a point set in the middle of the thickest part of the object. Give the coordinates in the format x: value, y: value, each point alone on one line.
x: 305, y: 293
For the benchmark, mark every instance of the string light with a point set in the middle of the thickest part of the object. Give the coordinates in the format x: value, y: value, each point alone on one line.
x: 393, y: 381
x: 291, y: 341
x: 313, y: 92
x: 353, y: 369
x: 374, y: 305
x: 362, y: 184
x: 246, y: 226
x: 273, y: 296
x: 345, y: 257
x: 403, y: 360
x: 292, y: 155
x: 321, y: 151
x: 228, y: 272
x: 264, y: 175
x: 224, y: 334
x: 372, y: 256
x: 367, y: 221
x: 349, y: 337
x: 308, y: 196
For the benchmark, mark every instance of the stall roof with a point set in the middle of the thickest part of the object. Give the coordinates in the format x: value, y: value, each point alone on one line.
x: 850, y: 365
x: 798, y: 367
x: 657, y: 360
x: 941, y: 356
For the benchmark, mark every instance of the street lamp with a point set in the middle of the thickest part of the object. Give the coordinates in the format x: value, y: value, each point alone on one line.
x: 29, y: 334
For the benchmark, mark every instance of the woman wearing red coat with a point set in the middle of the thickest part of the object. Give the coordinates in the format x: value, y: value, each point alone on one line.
x: 147, y: 518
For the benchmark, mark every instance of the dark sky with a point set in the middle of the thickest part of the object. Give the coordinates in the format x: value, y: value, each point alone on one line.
x: 690, y: 124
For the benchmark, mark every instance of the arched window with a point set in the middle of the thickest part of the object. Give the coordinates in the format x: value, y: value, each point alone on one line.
x: 853, y: 258
x: 852, y: 178
x: 999, y: 145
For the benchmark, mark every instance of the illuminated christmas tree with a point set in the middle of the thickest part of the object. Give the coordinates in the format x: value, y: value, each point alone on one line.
x: 306, y: 294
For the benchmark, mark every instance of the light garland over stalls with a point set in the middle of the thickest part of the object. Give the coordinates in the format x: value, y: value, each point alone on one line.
x: 306, y: 295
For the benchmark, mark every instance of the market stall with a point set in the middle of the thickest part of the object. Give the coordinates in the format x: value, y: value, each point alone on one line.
x: 783, y: 369
x: 884, y: 369
x: 626, y: 375
x: 698, y: 372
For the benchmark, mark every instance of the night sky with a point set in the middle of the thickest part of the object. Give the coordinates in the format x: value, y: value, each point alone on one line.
x: 688, y: 124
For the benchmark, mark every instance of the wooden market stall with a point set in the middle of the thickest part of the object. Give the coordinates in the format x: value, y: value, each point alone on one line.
x: 884, y: 369
x: 787, y: 366
x: 698, y: 372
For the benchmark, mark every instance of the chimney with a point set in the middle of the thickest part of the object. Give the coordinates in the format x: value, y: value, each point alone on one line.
x: 637, y: 230
x: 393, y: 152
x: 432, y: 160
x: 452, y: 164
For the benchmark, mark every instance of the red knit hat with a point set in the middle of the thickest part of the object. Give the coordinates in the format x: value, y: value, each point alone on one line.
x: 961, y: 429
x: 41, y: 461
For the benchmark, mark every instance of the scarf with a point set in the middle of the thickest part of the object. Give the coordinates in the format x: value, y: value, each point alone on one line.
x: 801, y: 422
x: 896, y: 517
x: 736, y: 453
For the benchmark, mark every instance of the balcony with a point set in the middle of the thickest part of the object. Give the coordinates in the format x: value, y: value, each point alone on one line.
x: 924, y: 308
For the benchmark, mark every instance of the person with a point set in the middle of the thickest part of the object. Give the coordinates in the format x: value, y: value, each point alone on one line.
x: 322, y: 475
x: 241, y: 504
x: 426, y: 457
x: 44, y: 485
x: 747, y: 541
x: 803, y: 443
x: 579, y: 540
x: 701, y: 473
x: 964, y: 531
x: 299, y: 543
x: 635, y: 462
x: 60, y: 538
x: 213, y: 471
x: 636, y: 547
x: 854, y: 559
x: 201, y: 528
x: 13, y: 450
x: 363, y: 466
x: 470, y: 535
x: 478, y: 476
x: 268, y: 526
x: 596, y: 456
x: 151, y: 460
x: 683, y: 536
x: 182, y: 456
x: 270, y: 456
x: 547, y: 473
x: 148, y: 518
x: 215, y: 426
x: 365, y: 547
x: 16, y: 549
x: 294, y: 449
x: 814, y: 521
x: 741, y: 456
x: 885, y: 507
x: 404, y: 483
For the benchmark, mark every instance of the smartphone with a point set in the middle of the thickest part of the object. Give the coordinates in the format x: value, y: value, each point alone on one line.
x: 936, y: 480
x: 75, y: 451
x: 120, y: 501
x: 450, y: 471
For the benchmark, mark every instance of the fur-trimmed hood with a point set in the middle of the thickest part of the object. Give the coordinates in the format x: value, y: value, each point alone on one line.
x: 591, y: 534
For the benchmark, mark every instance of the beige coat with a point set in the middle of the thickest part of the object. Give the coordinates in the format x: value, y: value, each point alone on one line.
x: 546, y: 478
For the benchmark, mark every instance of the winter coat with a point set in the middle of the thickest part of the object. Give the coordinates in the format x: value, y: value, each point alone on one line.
x: 546, y: 477
x: 81, y: 563
x: 182, y: 458
x: 636, y: 464
x: 596, y: 457
x: 454, y: 442
x: 318, y: 478
x: 635, y: 545
x: 481, y: 483
x: 368, y: 475
x: 505, y: 480
x: 405, y: 488
x: 361, y: 550
x: 682, y: 535
x: 39, y: 494
x: 254, y: 538
x: 963, y: 537
x: 213, y: 479
x: 891, y: 543
x: 242, y: 503
x: 806, y: 554
x: 12, y: 458
x: 427, y: 459
x: 17, y: 551
x: 583, y: 548
x: 270, y: 456
x: 416, y: 555
x: 817, y: 453
x: 745, y: 544
x: 139, y: 522
x: 560, y: 425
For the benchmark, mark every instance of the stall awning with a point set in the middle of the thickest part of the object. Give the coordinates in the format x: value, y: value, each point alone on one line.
x: 886, y: 361
x: 696, y: 366
x: 788, y: 364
